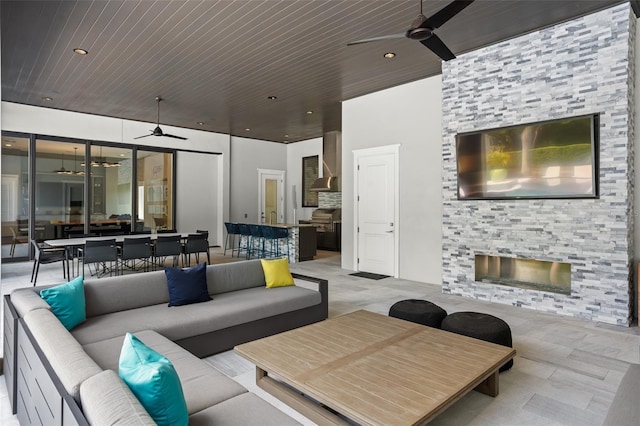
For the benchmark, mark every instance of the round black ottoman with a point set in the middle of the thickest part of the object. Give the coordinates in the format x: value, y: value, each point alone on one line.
x: 481, y: 326
x: 418, y: 311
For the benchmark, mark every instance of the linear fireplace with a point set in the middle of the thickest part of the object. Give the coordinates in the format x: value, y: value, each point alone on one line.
x: 531, y: 274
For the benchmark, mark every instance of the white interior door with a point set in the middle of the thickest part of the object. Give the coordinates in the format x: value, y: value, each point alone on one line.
x: 271, y: 196
x: 377, y: 208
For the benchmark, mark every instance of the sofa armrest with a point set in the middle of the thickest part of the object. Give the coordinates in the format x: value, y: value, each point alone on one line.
x: 624, y: 409
x: 323, y: 288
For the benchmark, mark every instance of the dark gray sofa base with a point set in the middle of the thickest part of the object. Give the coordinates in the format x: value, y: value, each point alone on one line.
x: 223, y: 340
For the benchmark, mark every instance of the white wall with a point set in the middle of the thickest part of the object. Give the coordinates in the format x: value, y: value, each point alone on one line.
x: 247, y: 156
x: 199, y: 193
x: 52, y: 122
x: 295, y: 153
x: 409, y: 115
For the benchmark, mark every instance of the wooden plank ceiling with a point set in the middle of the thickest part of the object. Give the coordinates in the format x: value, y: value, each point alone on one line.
x: 216, y: 62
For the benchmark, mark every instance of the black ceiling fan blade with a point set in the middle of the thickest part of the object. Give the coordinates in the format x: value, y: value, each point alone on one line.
x: 174, y: 136
x: 446, y: 13
x: 368, y: 40
x: 139, y: 137
x: 438, y: 47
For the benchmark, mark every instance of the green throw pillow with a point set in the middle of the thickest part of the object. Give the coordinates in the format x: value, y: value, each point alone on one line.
x: 153, y: 380
x: 67, y: 302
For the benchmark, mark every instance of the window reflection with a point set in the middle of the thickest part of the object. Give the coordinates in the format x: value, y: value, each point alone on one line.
x: 15, y: 197
x: 111, y: 186
x: 59, y: 189
x: 154, y: 186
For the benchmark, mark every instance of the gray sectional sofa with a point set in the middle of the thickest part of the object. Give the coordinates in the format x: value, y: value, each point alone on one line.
x: 57, y: 377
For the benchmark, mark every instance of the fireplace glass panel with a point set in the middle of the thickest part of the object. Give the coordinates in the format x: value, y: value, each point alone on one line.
x: 524, y: 273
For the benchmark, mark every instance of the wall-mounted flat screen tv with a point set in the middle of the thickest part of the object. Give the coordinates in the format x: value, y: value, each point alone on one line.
x: 548, y: 159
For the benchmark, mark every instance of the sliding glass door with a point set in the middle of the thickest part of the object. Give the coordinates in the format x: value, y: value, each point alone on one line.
x: 58, y: 188
x: 154, y: 185
x: 15, y: 197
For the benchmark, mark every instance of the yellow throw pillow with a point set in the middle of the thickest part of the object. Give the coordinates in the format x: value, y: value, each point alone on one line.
x: 276, y: 272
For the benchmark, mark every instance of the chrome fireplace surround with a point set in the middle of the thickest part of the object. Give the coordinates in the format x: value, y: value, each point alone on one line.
x: 524, y: 273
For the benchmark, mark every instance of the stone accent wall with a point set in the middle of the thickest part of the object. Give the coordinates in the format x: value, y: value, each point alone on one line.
x: 330, y: 200
x: 584, y: 66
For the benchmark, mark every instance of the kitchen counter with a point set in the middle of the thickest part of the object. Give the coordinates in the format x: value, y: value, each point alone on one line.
x: 301, y: 244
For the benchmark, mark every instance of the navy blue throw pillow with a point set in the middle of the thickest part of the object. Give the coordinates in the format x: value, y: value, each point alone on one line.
x: 187, y: 286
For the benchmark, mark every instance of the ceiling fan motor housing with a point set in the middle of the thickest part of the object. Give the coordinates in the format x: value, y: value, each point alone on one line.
x: 419, y: 33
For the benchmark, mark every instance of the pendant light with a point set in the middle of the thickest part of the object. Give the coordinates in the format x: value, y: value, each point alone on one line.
x: 75, y: 163
x: 62, y: 170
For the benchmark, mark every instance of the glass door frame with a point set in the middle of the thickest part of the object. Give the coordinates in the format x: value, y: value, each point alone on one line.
x: 31, y: 170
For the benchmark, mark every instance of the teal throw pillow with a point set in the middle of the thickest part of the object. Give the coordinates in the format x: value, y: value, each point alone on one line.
x: 154, y: 381
x: 67, y: 302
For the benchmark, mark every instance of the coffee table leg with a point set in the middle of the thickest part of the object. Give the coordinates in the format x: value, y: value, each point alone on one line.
x: 297, y: 401
x: 490, y: 385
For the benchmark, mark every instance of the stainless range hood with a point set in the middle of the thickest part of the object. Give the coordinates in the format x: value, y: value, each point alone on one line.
x: 331, y: 163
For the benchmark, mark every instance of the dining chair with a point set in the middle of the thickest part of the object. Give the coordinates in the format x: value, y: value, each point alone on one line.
x: 18, y: 238
x: 135, y: 249
x: 100, y: 253
x: 196, y: 244
x: 166, y: 246
x: 44, y: 255
x: 74, y: 252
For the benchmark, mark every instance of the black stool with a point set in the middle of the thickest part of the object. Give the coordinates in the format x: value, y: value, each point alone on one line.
x: 480, y: 326
x: 418, y: 311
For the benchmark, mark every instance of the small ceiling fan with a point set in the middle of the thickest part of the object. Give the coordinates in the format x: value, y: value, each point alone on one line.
x: 422, y: 29
x: 158, y: 131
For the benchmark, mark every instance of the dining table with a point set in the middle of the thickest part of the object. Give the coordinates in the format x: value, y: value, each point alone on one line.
x: 74, y: 243
x: 80, y: 241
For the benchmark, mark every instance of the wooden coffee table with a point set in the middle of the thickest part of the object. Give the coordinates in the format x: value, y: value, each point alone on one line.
x: 373, y: 369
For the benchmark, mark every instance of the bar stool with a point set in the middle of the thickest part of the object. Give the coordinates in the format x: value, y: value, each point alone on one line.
x: 268, y: 236
x: 256, y: 239
x: 232, y: 230
x: 280, y: 233
x: 245, y: 232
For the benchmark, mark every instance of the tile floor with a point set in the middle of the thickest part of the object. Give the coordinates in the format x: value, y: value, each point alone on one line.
x: 565, y: 373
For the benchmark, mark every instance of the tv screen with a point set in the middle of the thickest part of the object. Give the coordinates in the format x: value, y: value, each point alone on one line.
x: 549, y: 159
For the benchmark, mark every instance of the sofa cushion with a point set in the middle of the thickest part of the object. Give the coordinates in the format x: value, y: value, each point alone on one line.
x: 235, y: 276
x: 27, y: 300
x: 121, y: 293
x: 67, y: 358
x: 187, y: 286
x: 195, y: 374
x: 180, y: 322
x: 246, y: 409
x: 67, y: 302
x: 106, y: 400
x: 276, y: 272
x: 153, y: 380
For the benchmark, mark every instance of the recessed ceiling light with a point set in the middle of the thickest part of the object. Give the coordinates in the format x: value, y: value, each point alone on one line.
x: 273, y: 98
x: 80, y: 51
x: 201, y: 123
x: 286, y: 136
x: 7, y: 144
x: 121, y: 155
x: 247, y: 129
x: 47, y: 98
x: 309, y: 112
x: 389, y: 55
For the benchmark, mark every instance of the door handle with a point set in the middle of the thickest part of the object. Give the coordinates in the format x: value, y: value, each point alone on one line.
x: 389, y: 232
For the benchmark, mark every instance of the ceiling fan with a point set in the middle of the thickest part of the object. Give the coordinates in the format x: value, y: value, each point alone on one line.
x: 158, y: 131
x: 422, y: 29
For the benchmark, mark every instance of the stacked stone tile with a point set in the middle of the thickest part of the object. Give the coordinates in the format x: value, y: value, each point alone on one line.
x: 585, y: 66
